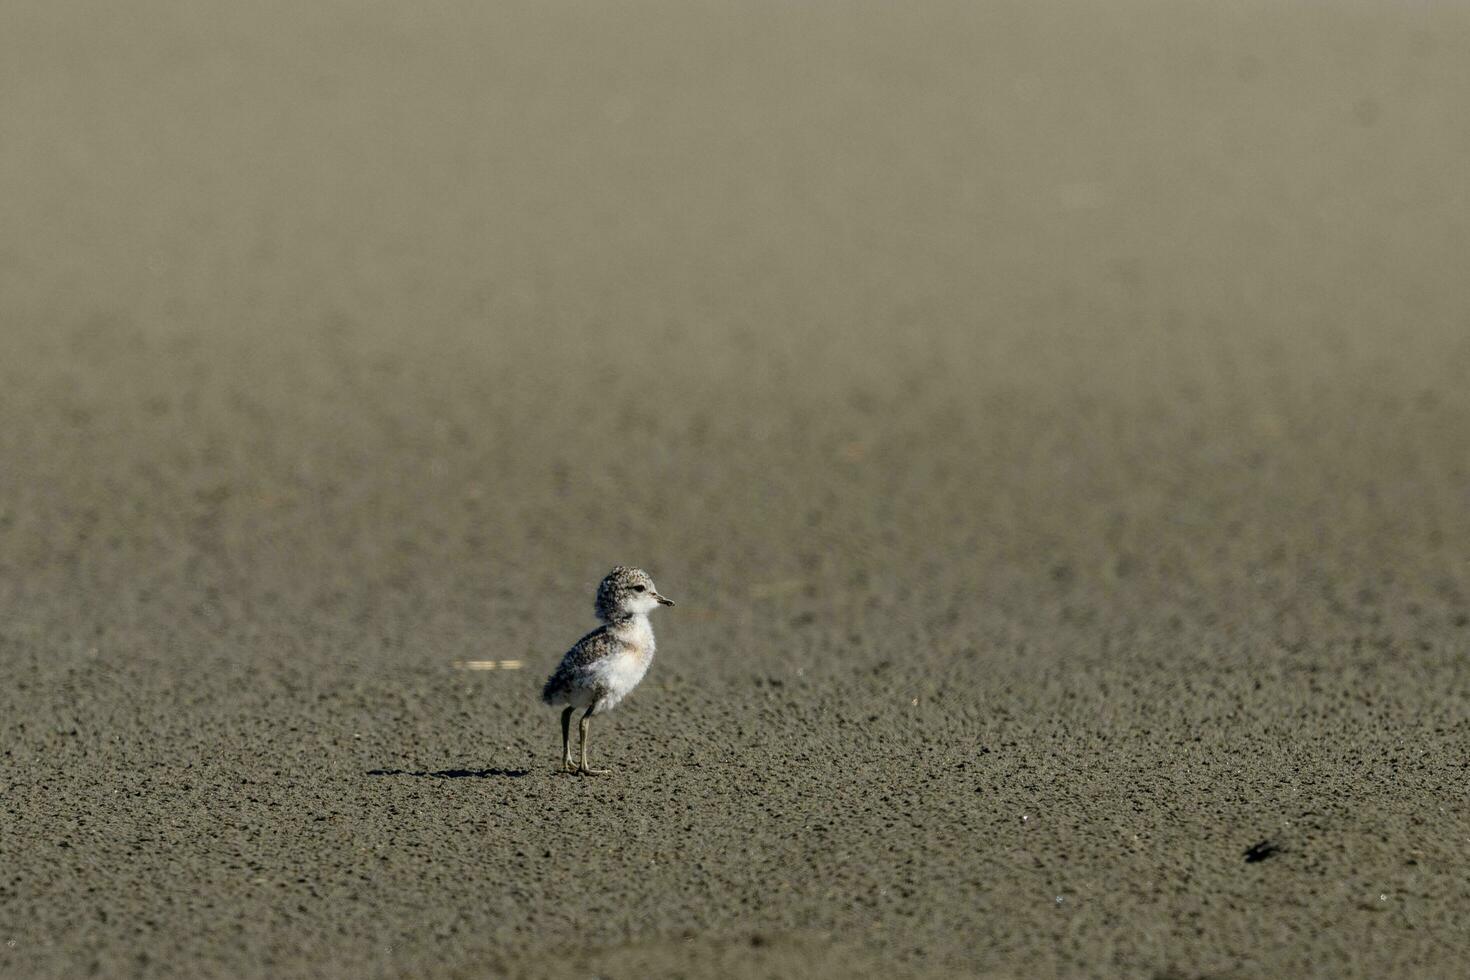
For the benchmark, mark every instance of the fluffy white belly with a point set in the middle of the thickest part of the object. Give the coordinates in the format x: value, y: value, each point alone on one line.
x: 620, y: 674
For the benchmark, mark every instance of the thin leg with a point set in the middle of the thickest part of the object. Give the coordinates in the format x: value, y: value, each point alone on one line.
x: 587, y: 770
x: 566, y: 741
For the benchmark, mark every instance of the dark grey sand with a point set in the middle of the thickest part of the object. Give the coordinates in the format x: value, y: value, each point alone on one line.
x: 1053, y: 421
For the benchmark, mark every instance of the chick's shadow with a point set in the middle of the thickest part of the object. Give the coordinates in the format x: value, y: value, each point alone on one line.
x: 453, y: 773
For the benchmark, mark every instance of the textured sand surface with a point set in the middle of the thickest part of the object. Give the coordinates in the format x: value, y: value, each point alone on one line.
x: 1053, y: 421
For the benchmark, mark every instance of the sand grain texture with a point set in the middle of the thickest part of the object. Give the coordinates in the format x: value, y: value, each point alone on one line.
x: 1052, y: 420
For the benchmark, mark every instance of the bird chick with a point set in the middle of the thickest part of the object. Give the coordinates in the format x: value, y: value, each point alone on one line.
x: 609, y: 662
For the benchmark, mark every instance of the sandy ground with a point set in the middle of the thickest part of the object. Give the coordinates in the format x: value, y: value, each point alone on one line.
x: 1053, y: 421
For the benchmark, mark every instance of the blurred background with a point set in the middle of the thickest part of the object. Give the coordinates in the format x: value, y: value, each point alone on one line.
x: 992, y: 353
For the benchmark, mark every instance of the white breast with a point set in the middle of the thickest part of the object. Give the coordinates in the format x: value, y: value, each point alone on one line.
x: 621, y: 673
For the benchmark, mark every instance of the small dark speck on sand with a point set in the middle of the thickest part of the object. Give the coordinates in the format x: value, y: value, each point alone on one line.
x: 1260, y: 850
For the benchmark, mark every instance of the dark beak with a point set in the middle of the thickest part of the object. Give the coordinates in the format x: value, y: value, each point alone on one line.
x: 663, y: 600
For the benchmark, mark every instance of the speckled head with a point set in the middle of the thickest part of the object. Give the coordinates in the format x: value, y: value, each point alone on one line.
x: 627, y: 592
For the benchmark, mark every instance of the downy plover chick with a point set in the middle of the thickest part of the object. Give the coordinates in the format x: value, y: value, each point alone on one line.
x: 609, y: 662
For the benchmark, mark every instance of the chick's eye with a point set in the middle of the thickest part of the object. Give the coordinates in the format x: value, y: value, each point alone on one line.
x: 638, y: 588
